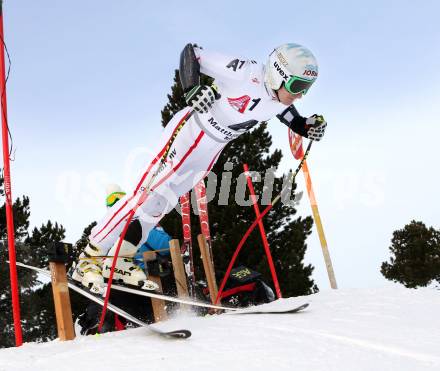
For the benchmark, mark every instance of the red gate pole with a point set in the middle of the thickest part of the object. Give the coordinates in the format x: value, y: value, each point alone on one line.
x: 8, y: 192
x: 263, y: 232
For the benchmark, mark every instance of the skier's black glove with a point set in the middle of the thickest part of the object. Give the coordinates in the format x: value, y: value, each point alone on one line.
x: 312, y: 127
x: 89, y: 320
x: 201, y: 97
x: 315, y: 127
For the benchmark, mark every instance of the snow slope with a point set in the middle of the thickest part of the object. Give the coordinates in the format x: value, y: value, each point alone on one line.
x: 359, y: 329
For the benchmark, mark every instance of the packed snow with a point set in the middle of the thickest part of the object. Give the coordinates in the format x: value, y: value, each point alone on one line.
x: 350, y: 329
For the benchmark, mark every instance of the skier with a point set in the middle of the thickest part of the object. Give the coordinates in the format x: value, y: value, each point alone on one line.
x: 245, y: 93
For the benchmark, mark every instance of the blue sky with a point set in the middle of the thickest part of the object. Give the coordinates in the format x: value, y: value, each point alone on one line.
x: 89, y: 79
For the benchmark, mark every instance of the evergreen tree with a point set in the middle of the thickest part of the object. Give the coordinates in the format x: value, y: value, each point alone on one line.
x: 36, y: 302
x: 415, y: 259
x: 81, y: 244
x: 26, y: 279
x: 42, y: 298
x: 176, y: 101
x: 229, y: 221
x: 41, y: 238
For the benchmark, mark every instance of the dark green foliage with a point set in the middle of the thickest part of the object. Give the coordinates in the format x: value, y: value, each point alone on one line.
x: 26, y: 281
x: 21, y: 213
x: 82, y: 242
x: 40, y: 238
x: 415, y: 259
x: 229, y: 222
x: 176, y: 101
x: 36, y: 301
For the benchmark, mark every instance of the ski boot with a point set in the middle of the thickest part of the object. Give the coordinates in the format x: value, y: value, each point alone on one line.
x: 88, y: 269
x: 126, y: 270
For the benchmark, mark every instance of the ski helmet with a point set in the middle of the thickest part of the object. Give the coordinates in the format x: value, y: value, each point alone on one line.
x: 291, y: 64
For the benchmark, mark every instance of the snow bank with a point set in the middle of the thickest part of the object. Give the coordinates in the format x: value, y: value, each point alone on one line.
x: 359, y: 329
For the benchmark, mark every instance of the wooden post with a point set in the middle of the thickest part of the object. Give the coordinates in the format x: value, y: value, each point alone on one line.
x: 207, y: 265
x: 61, y: 300
x: 159, y: 311
x: 159, y: 306
x: 179, y: 271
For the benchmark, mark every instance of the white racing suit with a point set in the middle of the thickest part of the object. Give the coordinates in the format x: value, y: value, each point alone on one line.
x: 191, y: 144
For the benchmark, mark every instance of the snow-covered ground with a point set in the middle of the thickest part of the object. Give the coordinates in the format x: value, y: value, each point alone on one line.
x: 358, y: 329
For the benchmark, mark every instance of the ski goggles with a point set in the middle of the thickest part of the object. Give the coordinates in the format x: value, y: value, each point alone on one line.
x: 112, y: 198
x: 296, y: 85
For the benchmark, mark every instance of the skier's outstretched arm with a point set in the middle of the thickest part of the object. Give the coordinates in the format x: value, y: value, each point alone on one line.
x: 312, y: 127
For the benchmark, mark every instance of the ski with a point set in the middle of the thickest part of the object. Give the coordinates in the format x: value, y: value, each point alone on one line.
x: 176, y: 334
x: 154, y: 295
x: 186, y: 249
x: 259, y: 309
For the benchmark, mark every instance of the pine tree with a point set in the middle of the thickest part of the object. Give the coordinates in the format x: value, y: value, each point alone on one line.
x: 176, y: 101
x: 21, y: 212
x: 36, y: 302
x: 229, y: 222
x: 41, y: 238
x: 415, y: 259
x: 81, y: 244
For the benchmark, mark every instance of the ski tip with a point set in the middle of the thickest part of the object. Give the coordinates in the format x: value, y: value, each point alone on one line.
x: 257, y: 310
x: 299, y: 308
x: 178, y: 334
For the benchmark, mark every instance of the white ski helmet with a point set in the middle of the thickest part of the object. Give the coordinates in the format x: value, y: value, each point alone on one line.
x: 291, y: 64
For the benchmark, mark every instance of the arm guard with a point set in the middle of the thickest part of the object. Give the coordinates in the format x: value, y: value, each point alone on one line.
x: 189, y: 68
x: 294, y: 121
